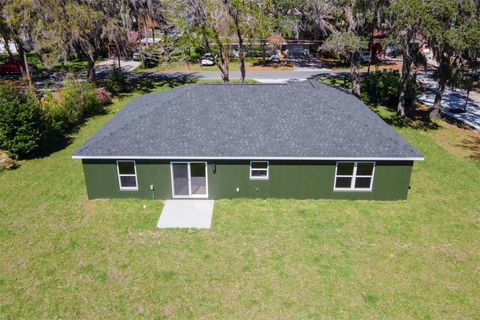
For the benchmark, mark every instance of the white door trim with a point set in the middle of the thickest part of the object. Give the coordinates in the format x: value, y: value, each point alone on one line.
x: 189, y: 173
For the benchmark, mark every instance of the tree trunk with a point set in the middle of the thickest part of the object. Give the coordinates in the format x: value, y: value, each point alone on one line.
x: 370, y: 56
x: 443, y: 70
x: 402, y: 87
x: 145, y: 31
x: 224, y: 60
x: 435, y: 110
x: 91, y: 76
x: 354, y: 75
x: 118, y: 55
x: 225, y: 73
x: 24, y: 65
x: 240, y: 53
x: 225, y: 68
x: 233, y: 12
x: 264, y: 52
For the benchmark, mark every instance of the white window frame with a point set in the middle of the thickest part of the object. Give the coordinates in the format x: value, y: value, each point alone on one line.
x: 258, y: 169
x: 354, y: 177
x: 127, y: 175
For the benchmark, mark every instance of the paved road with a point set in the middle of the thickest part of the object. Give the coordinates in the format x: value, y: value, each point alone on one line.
x: 451, y: 101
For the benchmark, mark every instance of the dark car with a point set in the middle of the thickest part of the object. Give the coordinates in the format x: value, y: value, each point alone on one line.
x: 275, y: 58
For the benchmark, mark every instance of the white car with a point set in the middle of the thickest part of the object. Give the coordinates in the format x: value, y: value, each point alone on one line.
x: 208, y: 60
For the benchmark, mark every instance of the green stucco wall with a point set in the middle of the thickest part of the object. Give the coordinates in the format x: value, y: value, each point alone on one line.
x: 287, y: 179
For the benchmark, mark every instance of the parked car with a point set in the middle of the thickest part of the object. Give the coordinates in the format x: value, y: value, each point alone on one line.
x: 208, y: 60
x: 13, y: 67
x: 137, y: 55
x: 274, y: 58
x: 365, y: 56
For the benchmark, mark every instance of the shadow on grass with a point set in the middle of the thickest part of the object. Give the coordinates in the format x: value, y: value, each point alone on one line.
x: 56, y: 143
x: 472, y: 144
x: 339, y: 80
x: 146, y: 82
x: 415, y: 118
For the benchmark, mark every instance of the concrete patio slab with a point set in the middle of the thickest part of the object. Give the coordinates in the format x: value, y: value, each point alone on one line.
x: 186, y: 214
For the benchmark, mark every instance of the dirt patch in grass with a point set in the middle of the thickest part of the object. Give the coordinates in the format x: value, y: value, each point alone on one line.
x: 6, y: 162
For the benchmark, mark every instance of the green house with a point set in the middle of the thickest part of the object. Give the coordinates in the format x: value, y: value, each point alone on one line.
x: 300, y: 140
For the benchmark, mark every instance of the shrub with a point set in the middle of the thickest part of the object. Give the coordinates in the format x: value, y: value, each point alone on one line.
x: 117, y: 81
x: 381, y: 87
x: 103, y: 96
x: 54, y: 113
x: 21, y: 122
x: 69, y: 107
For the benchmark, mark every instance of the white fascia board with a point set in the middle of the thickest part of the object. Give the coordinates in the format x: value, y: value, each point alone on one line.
x: 248, y: 158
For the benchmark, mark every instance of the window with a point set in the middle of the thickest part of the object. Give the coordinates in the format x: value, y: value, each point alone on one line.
x: 356, y: 176
x: 258, y: 170
x: 127, y: 175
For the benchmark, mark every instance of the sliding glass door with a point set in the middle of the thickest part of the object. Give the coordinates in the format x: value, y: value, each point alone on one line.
x: 189, y: 179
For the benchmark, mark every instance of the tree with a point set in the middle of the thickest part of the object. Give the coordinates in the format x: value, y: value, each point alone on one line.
x: 447, y: 28
x: 247, y: 18
x: 312, y: 19
x: 21, y: 122
x: 349, y: 37
x: 17, y: 20
x: 207, y: 20
x: 348, y: 44
x: 375, y: 19
x: 80, y: 27
x: 407, y: 19
x: 236, y: 8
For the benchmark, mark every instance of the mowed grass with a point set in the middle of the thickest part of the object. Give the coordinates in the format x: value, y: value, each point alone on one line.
x: 63, y: 256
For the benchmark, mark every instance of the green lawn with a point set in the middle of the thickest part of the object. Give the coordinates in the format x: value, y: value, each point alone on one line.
x: 251, y: 64
x: 63, y: 256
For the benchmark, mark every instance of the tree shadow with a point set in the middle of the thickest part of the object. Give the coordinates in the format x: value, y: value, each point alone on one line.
x: 146, y: 82
x: 416, y: 117
x: 55, y: 144
x: 339, y: 80
x: 472, y: 144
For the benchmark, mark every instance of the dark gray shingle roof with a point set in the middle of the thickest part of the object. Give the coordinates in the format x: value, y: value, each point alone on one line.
x: 297, y: 120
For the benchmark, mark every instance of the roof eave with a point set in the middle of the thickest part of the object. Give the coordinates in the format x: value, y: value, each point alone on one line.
x: 248, y: 158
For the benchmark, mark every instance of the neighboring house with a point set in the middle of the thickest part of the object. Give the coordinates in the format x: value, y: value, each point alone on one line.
x: 298, y: 140
x: 10, y: 45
